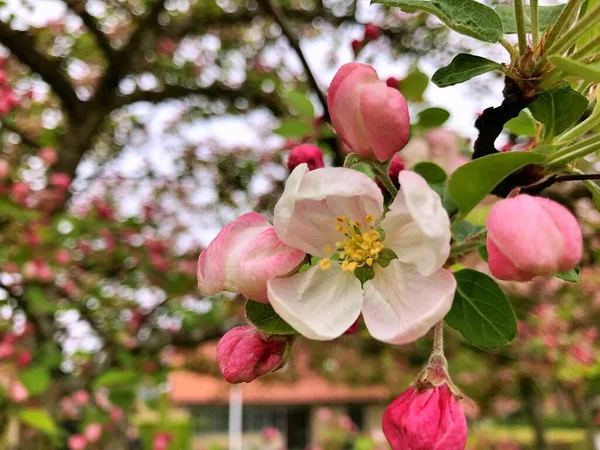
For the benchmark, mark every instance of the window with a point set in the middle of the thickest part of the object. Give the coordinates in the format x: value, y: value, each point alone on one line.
x: 210, y: 419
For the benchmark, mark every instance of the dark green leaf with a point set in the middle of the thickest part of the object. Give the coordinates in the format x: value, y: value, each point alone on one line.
x: 122, y: 397
x: 386, y: 256
x: 465, y: 16
x: 413, y: 86
x: 432, y: 173
x: 462, y: 68
x: 38, y: 419
x: 483, y: 252
x: 522, y: 125
x: 364, y: 273
x: 116, y: 377
x: 264, y: 317
x: 546, y: 16
x: 572, y: 276
x: 469, y: 184
x: 465, y: 230
x: 301, y: 103
x: 558, y: 109
x: 36, y: 379
x: 480, y: 311
x: 293, y: 128
x: 587, y: 72
x: 432, y: 117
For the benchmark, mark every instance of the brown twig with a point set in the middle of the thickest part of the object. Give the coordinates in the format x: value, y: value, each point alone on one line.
x: 92, y: 25
x: 538, y: 187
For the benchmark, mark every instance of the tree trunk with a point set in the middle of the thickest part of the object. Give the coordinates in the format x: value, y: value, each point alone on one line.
x: 584, y: 416
x: 533, y: 405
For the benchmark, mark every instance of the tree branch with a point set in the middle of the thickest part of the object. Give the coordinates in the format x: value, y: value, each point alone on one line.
x: 22, y: 45
x: 27, y: 140
x: 92, y: 25
x: 279, y: 17
x: 539, y: 187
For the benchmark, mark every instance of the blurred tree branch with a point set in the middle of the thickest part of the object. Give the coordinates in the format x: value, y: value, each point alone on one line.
x: 22, y: 45
x: 11, y: 126
x: 92, y: 25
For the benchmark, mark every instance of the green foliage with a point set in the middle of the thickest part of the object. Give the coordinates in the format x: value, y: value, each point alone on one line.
x: 468, y: 17
x: 293, y: 128
x: 480, y: 311
x: 116, y: 377
x: 470, y: 183
x: 432, y: 117
x: 594, y: 31
x: 39, y: 419
x: 547, y: 15
x: 36, y: 379
x: 264, y: 317
x: 572, y: 276
x: 301, y: 103
x: 522, y: 125
x: 462, y: 68
x: 431, y: 172
x: 413, y: 86
x: 573, y: 67
x: 558, y: 109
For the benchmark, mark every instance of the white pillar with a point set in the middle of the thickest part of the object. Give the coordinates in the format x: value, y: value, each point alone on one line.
x: 235, y: 417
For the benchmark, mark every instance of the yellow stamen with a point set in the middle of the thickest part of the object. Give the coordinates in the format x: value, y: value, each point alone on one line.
x: 327, y: 249
x: 325, y: 264
x: 370, y: 218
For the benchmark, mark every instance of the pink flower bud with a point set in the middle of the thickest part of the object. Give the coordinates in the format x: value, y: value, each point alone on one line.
x: 353, y: 328
x: 392, y: 82
x: 63, y: 257
x: 531, y: 236
x: 116, y: 414
x: 18, y: 392
x: 244, y: 354
x: 161, y: 441
x: 4, y: 169
x: 81, y: 397
x: 426, y: 419
x: 93, y: 432
x: 372, y: 32
x: 396, y: 166
x: 77, y: 442
x: 356, y: 46
x: 307, y: 153
x: 3, y: 77
x: 24, y: 359
x: 60, y: 180
x: 243, y: 257
x: 370, y: 117
x: 48, y: 155
x: 6, y: 350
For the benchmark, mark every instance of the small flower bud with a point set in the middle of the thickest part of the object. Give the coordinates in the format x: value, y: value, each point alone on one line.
x: 93, y: 432
x: 60, y: 180
x: 48, y: 155
x: 531, y: 236
x: 372, y: 32
x: 392, y: 82
x: 370, y: 117
x: 427, y: 418
x: 244, y: 354
x: 18, y: 392
x: 77, y: 442
x: 356, y: 46
x: 307, y: 153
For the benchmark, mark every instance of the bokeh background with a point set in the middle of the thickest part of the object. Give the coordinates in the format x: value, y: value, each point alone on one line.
x: 132, y: 131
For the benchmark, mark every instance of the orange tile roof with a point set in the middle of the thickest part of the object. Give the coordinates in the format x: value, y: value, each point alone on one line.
x: 193, y: 388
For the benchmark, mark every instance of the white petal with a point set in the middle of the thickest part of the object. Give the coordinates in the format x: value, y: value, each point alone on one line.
x: 319, y: 304
x: 401, y: 305
x: 417, y: 227
x: 305, y: 214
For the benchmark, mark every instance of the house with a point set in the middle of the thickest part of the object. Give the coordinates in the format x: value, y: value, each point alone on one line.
x: 295, y: 407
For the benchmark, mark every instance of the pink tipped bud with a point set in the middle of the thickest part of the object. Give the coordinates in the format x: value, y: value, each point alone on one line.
x: 24, y: 359
x: 307, y: 153
x: 93, y: 432
x: 353, y: 328
x: 372, y: 32
x: 392, y: 82
x: 81, y: 397
x: 396, y: 166
x: 531, y: 236
x: 245, y: 354
x: 48, y: 155
x: 77, y: 442
x: 60, y: 180
x: 426, y: 419
x: 356, y: 46
x: 370, y: 117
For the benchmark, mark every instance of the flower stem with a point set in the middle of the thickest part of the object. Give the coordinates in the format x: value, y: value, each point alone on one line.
x: 591, y: 45
x: 571, y: 36
x: 520, y: 18
x: 562, y: 21
x: 563, y: 159
x: 438, y: 339
x: 509, y: 48
x: 381, y: 171
x: 535, y: 32
x: 582, y: 128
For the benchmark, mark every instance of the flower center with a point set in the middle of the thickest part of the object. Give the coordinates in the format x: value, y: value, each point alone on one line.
x: 358, y: 249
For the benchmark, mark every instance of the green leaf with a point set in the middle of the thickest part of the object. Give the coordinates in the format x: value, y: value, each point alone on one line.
x: 462, y: 68
x: 572, y: 276
x: 36, y: 379
x: 522, y: 125
x: 594, y: 31
x: 116, y: 377
x: 558, y: 109
x: 293, y: 128
x: 432, y: 173
x: 593, y: 187
x: 465, y: 230
x: 465, y: 16
x: 433, y: 117
x: 413, y: 86
x: 480, y: 311
x: 546, y: 16
x: 264, y: 317
x: 301, y: 103
x: 39, y: 302
x: 587, y: 72
x: 122, y: 397
x: 364, y: 273
x: 38, y: 419
x: 386, y: 256
x: 469, y: 184
x: 483, y: 252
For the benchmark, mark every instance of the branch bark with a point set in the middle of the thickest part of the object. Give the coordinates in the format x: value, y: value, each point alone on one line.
x: 22, y: 45
x: 92, y: 25
x: 27, y: 140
